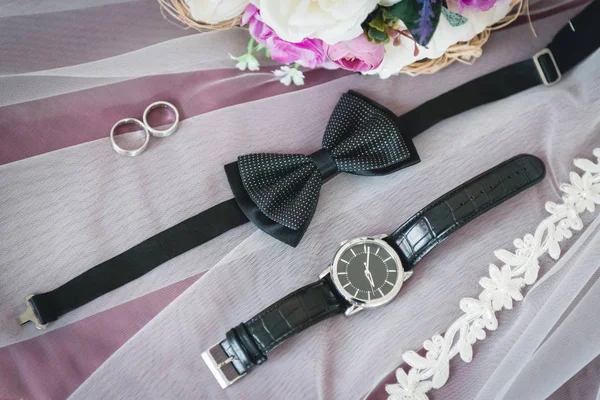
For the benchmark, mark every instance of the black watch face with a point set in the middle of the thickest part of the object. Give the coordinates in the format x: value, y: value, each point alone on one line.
x: 367, y: 271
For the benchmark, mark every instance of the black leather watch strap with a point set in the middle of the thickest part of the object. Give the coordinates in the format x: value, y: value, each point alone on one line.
x: 249, y: 342
x: 434, y: 223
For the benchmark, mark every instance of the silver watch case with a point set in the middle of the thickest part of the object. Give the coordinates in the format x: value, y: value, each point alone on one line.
x: 359, y: 304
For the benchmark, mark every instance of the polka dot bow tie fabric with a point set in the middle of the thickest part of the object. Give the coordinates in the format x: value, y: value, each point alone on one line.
x: 362, y: 137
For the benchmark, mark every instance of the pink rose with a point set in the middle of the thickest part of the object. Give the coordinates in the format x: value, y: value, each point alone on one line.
x: 308, y: 53
x: 476, y: 5
x: 357, y: 54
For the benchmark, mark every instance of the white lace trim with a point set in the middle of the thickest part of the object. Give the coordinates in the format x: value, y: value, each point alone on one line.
x: 503, y: 285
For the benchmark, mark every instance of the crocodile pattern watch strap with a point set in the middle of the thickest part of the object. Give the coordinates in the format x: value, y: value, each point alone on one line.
x: 249, y: 342
x: 433, y: 224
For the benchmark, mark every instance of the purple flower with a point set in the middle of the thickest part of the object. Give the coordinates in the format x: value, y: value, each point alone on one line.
x: 308, y: 53
x: 425, y: 26
x: 357, y: 54
x: 476, y: 5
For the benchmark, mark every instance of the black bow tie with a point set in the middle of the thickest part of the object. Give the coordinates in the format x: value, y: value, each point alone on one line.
x: 280, y: 192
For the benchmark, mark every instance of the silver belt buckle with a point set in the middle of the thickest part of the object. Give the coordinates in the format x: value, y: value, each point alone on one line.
x: 536, y: 61
x: 29, y: 315
x: 220, y: 365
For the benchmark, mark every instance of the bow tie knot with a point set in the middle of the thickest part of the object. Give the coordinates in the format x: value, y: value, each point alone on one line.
x: 280, y: 192
x: 325, y: 163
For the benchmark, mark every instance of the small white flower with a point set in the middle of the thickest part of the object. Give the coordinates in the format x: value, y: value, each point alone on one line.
x: 287, y: 75
x: 501, y: 288
x: 246, y: 61
x: 524, y: 246
x: 566, y: 213
x: 476, y: 331
x: 482, y: 308
x: 433, y: 347
x: 583, y: 192
x: 409, y: 387
x: 562, y: 231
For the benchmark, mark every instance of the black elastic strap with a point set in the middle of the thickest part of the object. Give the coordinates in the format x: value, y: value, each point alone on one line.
x: 495, y: 86
x: 137, y: 261
x: 569, y: 47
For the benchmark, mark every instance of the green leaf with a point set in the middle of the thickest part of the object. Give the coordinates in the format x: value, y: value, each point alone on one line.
x: 386, y: 15
x: 377, y: 35
x: 407, y: 11
x: 377, y: 24
x: 453, y: 18
x: 421, y: 17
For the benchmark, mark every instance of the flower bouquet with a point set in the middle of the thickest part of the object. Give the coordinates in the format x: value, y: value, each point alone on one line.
x: 373, y: 37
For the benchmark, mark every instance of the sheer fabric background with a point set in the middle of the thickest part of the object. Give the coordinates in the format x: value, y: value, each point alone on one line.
x: 68, y: 209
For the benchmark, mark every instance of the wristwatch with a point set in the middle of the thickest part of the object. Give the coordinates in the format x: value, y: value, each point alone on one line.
x: 368, y: 272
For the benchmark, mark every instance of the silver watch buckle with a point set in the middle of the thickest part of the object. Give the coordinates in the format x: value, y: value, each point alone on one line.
x: 29, y: 315
x: 536, y: 61
x: 219, y: 363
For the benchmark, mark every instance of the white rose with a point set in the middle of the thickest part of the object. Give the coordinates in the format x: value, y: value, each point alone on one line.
x: 397, y: 57
x: 388, y: 3
x: 332, y: 21
x: 213, y: 11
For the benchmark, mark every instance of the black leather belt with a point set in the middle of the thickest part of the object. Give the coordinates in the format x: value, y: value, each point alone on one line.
x: 279, y: 193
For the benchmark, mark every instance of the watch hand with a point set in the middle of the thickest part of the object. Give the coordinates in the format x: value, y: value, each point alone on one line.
x: 367, y: 271
x: 369, y: 276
